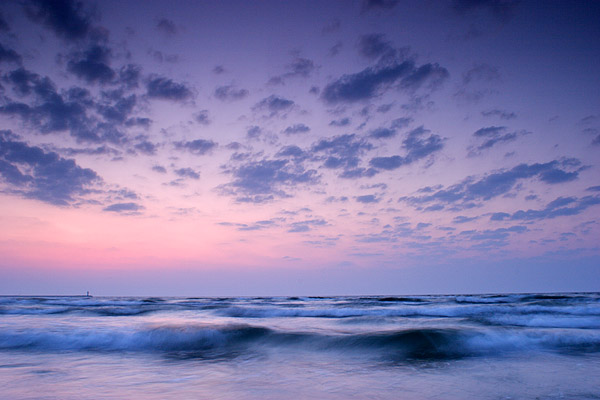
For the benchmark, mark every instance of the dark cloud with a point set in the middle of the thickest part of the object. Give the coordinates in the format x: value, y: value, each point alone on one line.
x: 164, y: 88
x: 166, y: 26
x: 22, y: 80
x: 593, y: 189
x: 365, y: 84
x: 356, y: 173
x: 461, y: 219
x: 400, y: 123
x: 202, y: 118
x: 160, y: 169
x: 388, y: 163
x: 124, y: 208
x: 93, y: 65
x: 481, y: 73
x: 295, y: 129
x: 4, y: 27
x: 492, y: 136
x: 418, y: 144
x: 299, y: 67
x: 253, y: 132
x: 502, y: 114
x: 137, y: 121
x: 561, y: 206
x: 52, y: 111
x: 274, y: 105
x: 374, y: 46
x: 372, y: 81
x: 335, y: 49
x: 219, y: 69
x: 162, y: 57
x: 476, y: 82
x: 34, y: 173
x: 292, y: 151
x: 117, y: 108
x: 500, y: 9
x: 257, y: 226
x: 384, y: 108
x: 428, y: 73
x: 198, y: 147
x: 229, y: 92
x: 334, y: 199
x: 368, y: 198
x: 340, y: 122
x: 382, y: 133
x: 467, y: 193
x: 306, y: 225
x: 129, y: 75
x: 369, y: 5
x: 343, y: 152
x: 490, y: 131
x: 146, y: 147
x: 499, y: 216
x: 9, y: 55
x: 263, y: 181
x: 66, y: 18
x: 94, y: 151
x: 492, y: 237
x: 187, y: 173
x: 332, y: 26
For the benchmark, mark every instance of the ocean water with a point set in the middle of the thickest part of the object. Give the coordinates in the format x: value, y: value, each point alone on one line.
x: 514, y: 346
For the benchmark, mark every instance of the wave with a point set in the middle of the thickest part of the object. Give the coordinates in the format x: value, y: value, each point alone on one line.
x: 475, y: 307
x: 218, y: 341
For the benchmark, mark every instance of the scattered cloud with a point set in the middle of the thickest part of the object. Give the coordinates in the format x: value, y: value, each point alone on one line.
x: 230, y: 93
x: 371, y: 5
x: 187, y: 173
x: 37, y: 174
x: 66, y: 18
x: 470, y: 191
x: 92, y: 65
x: 9, y: 55
x: 198, y: 147
x: 124, y: 208
x: 274, y: 105
x: 160, y: 87
x: 296, y: 129
x: 367, y: 199
x: 559, y: 207
x: 502, y: 10
x: 419, y: 144
x: 202, y: 117
x: 298, y: 68
x: 340, y: 122
x: 343, y: 152
x: 502, y: 114
x: 374, y: 46
x: 491, y: 136
x: 264, y: 180
x: 306, y: 225
x: 373, y: 81
x: 166, y: 26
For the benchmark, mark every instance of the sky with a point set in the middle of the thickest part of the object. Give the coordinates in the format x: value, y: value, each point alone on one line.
x: 299, y: 147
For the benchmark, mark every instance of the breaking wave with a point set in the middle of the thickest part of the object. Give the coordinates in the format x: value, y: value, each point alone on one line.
x: 207, y: 341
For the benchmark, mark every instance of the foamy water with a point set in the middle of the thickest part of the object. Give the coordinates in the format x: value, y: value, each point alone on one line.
x: 412, y: 347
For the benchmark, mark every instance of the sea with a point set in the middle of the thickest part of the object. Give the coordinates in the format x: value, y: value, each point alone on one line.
x: 493, y: 346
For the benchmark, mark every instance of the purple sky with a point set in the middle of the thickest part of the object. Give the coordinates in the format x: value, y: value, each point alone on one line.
x: 299, y: 147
